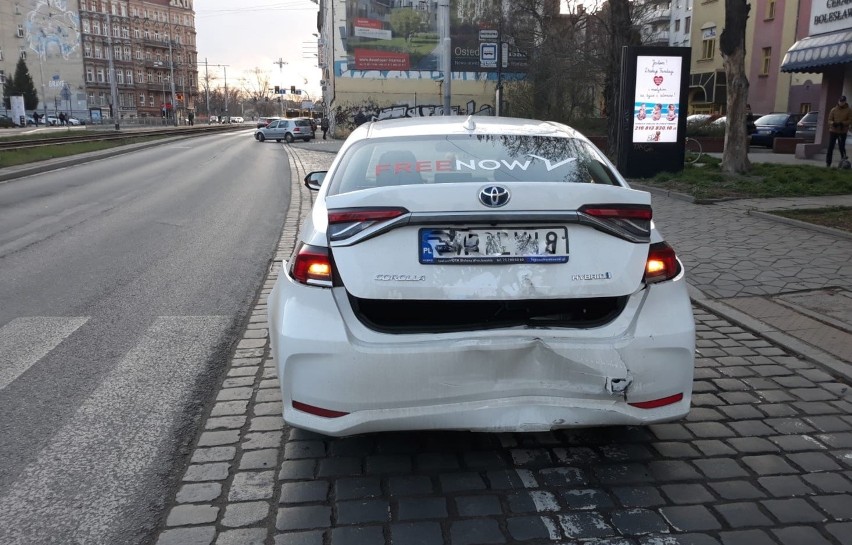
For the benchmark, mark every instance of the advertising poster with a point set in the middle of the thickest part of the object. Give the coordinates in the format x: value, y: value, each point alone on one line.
x: 18, y: 111
x: 656, y: 108
x: 401, y: 39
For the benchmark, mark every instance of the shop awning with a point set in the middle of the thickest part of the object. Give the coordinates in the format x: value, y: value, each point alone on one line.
x: 814, y: 53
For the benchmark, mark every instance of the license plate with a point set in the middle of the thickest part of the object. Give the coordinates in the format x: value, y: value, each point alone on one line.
x: 494, y: 246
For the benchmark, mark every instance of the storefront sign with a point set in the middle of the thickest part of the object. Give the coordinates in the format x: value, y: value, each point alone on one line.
x: 830, y: 16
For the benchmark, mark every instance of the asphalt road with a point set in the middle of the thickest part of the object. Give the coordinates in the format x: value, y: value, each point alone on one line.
x: 123, y: 285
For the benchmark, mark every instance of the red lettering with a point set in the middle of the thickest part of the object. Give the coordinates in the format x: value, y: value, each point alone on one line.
x: 443, y: 166
x: 423, y: 166
x: 382, y: 168
x: 401, y: 167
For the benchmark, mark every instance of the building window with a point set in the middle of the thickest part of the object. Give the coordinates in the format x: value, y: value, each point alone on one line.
x: 130, y: 77
x: 23, y: 53
x: 119, y: 77
x: 767, y: 59
x: 96, y: 27
x: 125, y: 32
x: 127, y: 52
x: 151, y: 101
x: 142, y: 98
x: 90, y: 74
x: 686, y: 23
x: 99, y: 53
x: 1, y: 54
x: 86, y: 28
x: 2, y: 77
x: 677, y: 25
x: 20, y: 31
x: 770, y: 9
x: 101, y: 77
x: 117, y: 52
x: 92, y: 98
x: 708, y: 41
x: 140, y: 77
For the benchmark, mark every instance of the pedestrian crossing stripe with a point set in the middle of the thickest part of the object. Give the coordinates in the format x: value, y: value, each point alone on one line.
x: 83, y: 483
x: 24, y: 341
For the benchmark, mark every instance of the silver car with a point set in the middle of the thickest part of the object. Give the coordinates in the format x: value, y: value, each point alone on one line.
x: 287, y: 130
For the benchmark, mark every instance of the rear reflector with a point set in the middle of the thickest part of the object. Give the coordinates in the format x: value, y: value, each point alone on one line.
x: 626, y: 211
x: 312, y: 265
x: 654, y: 403
x: 348, y: 215
x: 661, y: 264
x: 310, y: 409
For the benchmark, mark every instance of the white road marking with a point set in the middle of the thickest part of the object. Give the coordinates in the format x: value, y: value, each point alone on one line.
x: 84, y: 482
x: 24, y: 341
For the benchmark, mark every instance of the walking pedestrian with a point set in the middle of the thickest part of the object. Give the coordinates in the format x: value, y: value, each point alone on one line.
x: 839, y: 121
x: 324, y: 126
x: 36, y: 118
x: 62, y: 118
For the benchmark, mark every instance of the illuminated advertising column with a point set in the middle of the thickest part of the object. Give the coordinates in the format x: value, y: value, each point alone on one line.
x: 655, y: 82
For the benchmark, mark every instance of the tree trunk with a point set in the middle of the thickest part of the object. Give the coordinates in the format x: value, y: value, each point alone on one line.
x: 621, y: 34
x: 732, y: 46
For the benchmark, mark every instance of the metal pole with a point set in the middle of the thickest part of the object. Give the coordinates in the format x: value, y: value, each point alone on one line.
x: 499, y: 89
x: 172, y: 80
x: 43, y: 91
x: 225, y: 68
x: 207, y: 89
x: 112, y: 83
x: 447, y: 50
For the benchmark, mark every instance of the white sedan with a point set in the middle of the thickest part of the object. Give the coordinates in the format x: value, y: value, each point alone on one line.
x: 487, y: 274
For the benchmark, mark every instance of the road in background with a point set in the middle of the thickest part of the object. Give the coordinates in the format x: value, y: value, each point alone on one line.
x: 123, y: 285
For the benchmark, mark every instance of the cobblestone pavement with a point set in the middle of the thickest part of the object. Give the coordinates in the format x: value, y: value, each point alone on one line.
x: 764, y: 457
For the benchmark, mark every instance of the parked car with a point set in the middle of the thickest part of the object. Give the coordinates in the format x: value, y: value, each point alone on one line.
x: 431, y: 287
x: 51, y: 120
x: 74, y: 121
x: 286, y: 129
x: 6, y: 122
x: 806, y: 127
x: 772, y: 126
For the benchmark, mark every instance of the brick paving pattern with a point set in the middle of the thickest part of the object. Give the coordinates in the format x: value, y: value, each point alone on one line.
x: 764, y: 457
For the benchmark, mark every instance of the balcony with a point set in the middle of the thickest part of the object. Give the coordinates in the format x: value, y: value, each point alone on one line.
x: 657, y: 38
x: 656, y: 16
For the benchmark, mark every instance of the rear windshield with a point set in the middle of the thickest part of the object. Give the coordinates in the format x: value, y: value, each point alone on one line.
x: 475, y: 159
x: 772, y: 119
x: 303, y: 122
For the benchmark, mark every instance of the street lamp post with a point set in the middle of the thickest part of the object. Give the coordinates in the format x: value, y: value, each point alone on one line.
x: 113, y: 89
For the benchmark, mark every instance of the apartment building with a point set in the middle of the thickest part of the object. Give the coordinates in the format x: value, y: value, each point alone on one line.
x: 73, y: 48
x: 150, y: 45
x: 47, y: 36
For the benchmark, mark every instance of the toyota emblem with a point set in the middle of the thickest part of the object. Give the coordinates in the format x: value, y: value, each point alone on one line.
x: 494, y: 196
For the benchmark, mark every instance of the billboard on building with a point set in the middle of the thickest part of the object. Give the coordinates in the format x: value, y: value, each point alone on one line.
x: 400, y: 39
x: 656, y: 104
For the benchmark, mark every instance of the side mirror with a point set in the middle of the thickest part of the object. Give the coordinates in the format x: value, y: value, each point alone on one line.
x: 313, y: 180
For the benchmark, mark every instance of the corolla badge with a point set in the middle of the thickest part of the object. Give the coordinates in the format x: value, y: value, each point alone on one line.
x: 494, y: 196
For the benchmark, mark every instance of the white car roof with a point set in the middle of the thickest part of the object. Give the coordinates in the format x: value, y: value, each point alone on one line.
x: 448, y: 125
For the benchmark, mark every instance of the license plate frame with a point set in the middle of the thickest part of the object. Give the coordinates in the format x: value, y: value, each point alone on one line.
x: 493, y: 246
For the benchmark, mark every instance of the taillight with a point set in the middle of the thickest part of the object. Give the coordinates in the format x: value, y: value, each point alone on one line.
x: 346, y: 222
x: 662, y: 263
x: 631, y: 221
x: 312, y: 265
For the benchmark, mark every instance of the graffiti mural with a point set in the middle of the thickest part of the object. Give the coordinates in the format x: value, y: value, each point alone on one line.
x: 351, y: 116
x: 53, y: 29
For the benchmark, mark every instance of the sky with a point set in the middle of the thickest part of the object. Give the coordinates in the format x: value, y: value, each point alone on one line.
x: 252, y: 34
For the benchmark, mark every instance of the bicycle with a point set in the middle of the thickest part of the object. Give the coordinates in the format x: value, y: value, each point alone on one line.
x: 692, y: 150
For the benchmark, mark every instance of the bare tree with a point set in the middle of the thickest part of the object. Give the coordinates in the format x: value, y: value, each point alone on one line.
x: 732, y: 47
x: 621, y: 32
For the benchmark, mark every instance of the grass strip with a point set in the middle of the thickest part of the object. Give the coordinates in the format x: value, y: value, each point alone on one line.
x: 836, y: 217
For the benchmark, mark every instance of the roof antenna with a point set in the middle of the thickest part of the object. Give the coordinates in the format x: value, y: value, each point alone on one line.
x: 469, y: 125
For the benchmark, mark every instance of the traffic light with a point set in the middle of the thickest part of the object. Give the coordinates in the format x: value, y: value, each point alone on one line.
x: 293, y: 89
x: 277, y: 90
